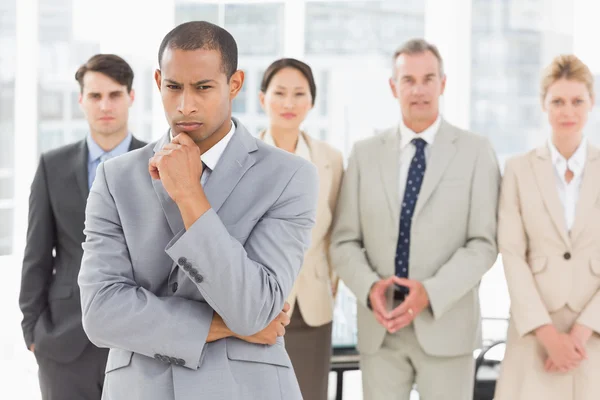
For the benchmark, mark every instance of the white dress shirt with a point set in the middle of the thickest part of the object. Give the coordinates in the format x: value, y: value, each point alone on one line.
x: 302, y: 149
x: 569, y: 192
x: 407, y: 149
x: 212, y: 156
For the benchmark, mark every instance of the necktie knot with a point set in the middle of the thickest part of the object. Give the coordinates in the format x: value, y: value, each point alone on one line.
x: 419, y: 143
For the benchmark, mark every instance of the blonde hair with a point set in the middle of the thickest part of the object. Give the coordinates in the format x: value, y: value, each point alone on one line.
x: 569, y: 67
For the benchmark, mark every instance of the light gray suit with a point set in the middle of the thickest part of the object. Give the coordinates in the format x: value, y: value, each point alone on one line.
x: 149, y: 287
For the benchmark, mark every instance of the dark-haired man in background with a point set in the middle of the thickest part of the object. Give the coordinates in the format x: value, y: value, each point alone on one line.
x: 70, y: 367
x: 190, y: 256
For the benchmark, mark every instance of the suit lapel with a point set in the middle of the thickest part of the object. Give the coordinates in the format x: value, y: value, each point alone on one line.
x: 81, y: 170
x: 546, y: 181
x: 389, y: 164
x: 168, y: 205
x: 588, y: 193
x: 233, y: 164
x: 443, y: 150
x: 323, y: 164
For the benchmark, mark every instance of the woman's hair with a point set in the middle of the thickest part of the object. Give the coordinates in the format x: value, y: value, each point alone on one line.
x: 282, y: 63
x: 569, y: 67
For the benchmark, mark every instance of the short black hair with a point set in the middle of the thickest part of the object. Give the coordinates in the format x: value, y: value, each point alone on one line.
x: 196, y: 35
x: 298, y: 65
x: 110, y: 65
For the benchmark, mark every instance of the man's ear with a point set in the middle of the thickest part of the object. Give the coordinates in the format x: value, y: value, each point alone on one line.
x: 235, y: 83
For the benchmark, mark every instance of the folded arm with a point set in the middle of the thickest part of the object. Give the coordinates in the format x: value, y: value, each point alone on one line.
x: 247, y: 284
x: 117, y: 312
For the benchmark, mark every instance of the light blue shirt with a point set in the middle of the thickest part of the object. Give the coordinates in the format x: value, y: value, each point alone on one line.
x: 96, y: 154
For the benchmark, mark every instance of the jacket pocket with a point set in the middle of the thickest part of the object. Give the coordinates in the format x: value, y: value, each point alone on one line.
x: 276, y: 354
x: 117, y: 359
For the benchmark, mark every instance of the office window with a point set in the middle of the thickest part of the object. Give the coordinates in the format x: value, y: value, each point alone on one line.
x: 50, y: 104
x: 7, y: 111
x: 239, y: 103
x: 186, y: 12
x: 323, y: 93
x: 5, y: 229
x: 259, y: 77
x: 257, y: 28
x: 373, y: 27
x: 510, y: 47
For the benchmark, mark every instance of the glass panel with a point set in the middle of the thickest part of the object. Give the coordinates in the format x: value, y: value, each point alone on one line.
x: 7, y: 127
x: 510, y: 47
x: 373, y: 27
x: 186, y: 12
x: 257, y: 28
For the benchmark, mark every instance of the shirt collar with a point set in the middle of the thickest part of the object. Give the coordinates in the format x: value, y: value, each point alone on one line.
x: 95, y: 151
x: 302, y: 149
x: 575, y: 164
x: 211, y: 157
x: 407, y: 135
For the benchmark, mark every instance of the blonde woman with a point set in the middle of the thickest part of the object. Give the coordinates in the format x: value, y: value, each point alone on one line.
x: 549, y: 238
x: 287, y: 95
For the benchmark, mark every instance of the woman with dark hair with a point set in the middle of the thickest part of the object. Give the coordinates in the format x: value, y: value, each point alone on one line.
x: 287, y: 94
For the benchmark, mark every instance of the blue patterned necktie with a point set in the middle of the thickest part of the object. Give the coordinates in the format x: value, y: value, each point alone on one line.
x: 414, y: 180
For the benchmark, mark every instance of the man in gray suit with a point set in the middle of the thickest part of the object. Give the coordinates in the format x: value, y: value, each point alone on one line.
x: 414, y: 233
x: 190, y: 256
x: 70, y: 367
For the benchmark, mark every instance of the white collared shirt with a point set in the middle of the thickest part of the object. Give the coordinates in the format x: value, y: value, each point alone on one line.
x: 407, y: 149
x: 302, y: 149
x: 211, y: 157
x: 569, y: 192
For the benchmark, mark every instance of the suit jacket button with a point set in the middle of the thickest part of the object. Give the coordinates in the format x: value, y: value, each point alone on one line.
x: 187, y: 266
x: 181, y: 362
x: 193, y: 273
x: 182, y: 260
x: 567, y: 256
x: 158, y: 357
x: 198, y: 278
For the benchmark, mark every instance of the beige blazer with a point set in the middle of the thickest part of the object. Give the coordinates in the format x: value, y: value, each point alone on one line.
x: 453, y: 237
x: 314, y: 287
x: 546, y: 267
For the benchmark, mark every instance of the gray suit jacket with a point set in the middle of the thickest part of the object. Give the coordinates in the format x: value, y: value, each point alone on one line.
x: 149, y: 287
x: 453, y: 234
x: 49, y: 297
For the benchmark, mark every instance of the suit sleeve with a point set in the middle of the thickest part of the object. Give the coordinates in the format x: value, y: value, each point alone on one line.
x: 38, y: 260
x: 116, y: 311
x: 347, y: 252
x: 464, y: 270
x: 590, y: 316
x: 527, y: 308
x: 248, y: 285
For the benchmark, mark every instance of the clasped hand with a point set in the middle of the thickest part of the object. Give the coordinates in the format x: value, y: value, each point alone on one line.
x: 414, y: 303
